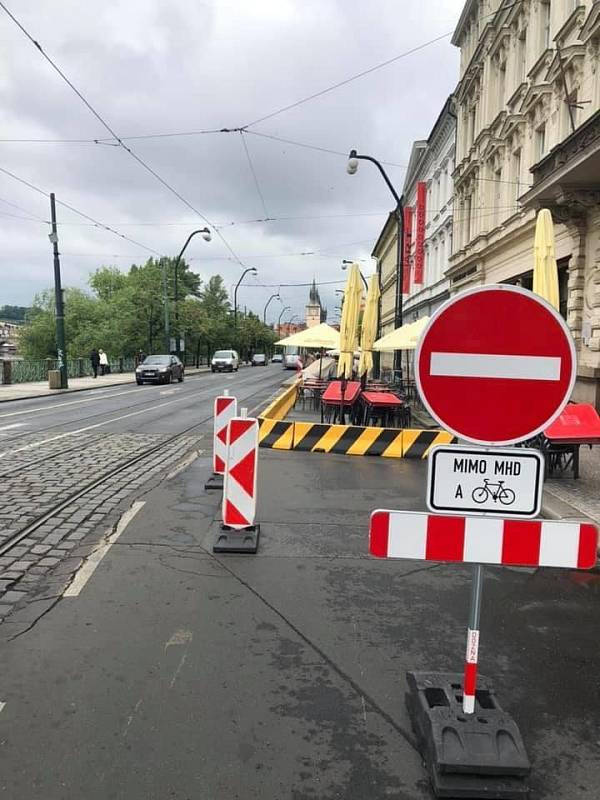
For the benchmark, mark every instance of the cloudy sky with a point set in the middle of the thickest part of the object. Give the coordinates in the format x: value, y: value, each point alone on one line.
x: 180, y: 66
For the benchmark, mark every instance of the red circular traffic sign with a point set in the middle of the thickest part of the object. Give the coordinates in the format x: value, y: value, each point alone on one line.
x: 495, y: 365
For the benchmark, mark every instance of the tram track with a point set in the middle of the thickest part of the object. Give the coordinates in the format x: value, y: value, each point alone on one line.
x: 15, y: 539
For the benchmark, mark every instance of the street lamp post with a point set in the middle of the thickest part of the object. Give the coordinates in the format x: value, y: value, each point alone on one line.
x: 206, y: 235
x: 273, y: 296
x: 345, y: 263
x: 283, y: 310
x: 61, y: 348
x: 352, y: 166
x: 235, y: 291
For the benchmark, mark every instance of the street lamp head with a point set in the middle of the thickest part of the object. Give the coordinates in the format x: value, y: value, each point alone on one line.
x: 352, y: 166
x: 206, y: 234
x: 253, y: 270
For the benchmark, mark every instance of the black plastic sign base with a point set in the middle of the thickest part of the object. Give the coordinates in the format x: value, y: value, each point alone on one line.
x: 231, y: 540
x: 214, y: 482
x: 478, y: 755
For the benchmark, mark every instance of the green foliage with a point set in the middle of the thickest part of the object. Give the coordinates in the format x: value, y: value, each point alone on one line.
x: 13, y: 313
x: 125, y: 313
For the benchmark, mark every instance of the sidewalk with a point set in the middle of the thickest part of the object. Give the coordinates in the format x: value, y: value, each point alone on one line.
x: 27, y: 391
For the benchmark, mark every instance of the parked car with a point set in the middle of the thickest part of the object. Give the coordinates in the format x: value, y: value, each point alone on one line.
x: 291, y: 361
x: 259, y: 360
x: 225, y: 361
x: 277, y: 358
x: 159, y: 369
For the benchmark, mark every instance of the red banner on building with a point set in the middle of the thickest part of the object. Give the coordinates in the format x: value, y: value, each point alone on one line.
x: 408, y: 222
x: 420, y: 233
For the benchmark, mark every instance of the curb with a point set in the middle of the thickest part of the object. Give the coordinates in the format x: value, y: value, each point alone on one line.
x: 54, y: 392
x: 554, y: 507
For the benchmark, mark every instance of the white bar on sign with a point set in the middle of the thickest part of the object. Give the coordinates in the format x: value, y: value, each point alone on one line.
x: 483, y: 540
x: 486, y: 365
x: 559, y: 544
x: 407, y: 536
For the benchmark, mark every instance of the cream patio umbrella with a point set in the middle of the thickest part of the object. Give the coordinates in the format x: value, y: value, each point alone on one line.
x: 369, y: 326
x: 322, y: 335
x: 403, y: 338
x: 349, y: 323
x: 545, y: 272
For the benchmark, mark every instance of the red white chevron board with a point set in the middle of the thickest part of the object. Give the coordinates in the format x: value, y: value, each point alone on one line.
x: 239, y: 492
x: 483, y: 540
x: 225, y: 408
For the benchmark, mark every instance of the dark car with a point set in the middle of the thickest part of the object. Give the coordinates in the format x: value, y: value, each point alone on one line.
x: 159, y: 369
x: 259, y: 360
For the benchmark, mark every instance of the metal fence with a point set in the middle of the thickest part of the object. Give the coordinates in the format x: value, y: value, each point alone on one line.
x: 27, y: 370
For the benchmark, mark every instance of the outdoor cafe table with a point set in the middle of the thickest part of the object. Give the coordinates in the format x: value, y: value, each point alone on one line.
x: 578, y: 424
x: 332, y: 396
x: 312, y: 389
x: 387, y: 404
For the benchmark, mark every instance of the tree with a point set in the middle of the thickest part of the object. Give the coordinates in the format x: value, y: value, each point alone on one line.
x: 13, y: 313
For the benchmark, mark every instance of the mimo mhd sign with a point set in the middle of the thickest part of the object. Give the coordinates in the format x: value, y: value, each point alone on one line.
x: 479, y: 480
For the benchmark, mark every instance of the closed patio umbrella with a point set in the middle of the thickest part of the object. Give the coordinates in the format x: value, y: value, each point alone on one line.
x: 369, y: 327
x: 349, y: 329
x: 545, y: 272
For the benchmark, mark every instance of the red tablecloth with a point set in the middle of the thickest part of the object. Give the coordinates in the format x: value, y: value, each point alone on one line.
x: 381, y: 399
x: 333, y: 393
x: 578, y: 423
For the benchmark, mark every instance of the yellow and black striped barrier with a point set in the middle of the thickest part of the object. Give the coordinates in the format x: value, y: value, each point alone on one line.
x: 350, y: 440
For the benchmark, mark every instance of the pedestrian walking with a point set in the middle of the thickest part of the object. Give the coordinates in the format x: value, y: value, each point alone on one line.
x: 95, y: 359
x: 103, y: 362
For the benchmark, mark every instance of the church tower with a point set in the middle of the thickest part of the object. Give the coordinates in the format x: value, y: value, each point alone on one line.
x: 315, y: 313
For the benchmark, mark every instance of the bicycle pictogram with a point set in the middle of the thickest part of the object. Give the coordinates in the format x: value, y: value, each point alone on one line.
x: 497, y: 492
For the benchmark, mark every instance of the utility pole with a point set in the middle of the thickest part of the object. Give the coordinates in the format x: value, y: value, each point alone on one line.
x: 166, y: 305
x: 61, y: 347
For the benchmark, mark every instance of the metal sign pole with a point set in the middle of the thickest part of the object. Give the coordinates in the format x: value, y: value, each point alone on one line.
x: 470, y: 676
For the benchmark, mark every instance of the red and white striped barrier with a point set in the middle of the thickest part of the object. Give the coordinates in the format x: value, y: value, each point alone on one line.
x: 239, y: 493
x: 483, y: 540
x: 225, y: 409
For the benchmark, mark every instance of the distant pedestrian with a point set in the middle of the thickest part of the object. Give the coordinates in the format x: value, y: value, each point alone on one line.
x: 140, y: 357
x: 103, y: 362
x: 95, y: 359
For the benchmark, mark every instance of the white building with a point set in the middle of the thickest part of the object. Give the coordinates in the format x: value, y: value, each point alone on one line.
x: 528, y: 137
x: 431, y: 162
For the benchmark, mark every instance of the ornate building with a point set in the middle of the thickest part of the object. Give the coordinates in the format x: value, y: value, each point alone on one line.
x: 528, y: 136
x: 315, y: 312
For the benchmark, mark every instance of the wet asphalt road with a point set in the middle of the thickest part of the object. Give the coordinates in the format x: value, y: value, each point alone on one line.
x: 175, y: 674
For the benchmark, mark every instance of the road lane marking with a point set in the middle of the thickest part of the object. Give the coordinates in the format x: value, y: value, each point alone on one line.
x: 487, y: 365
x: 14, y: 425
x: 132, y: 715
x: 2, y: 706
x: 167, y: 391
x: 87, y: 570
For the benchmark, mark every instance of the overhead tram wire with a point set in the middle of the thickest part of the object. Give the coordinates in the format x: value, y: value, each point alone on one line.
x: 82, y: 214
x: 254, y: 175
x: 117, y: 139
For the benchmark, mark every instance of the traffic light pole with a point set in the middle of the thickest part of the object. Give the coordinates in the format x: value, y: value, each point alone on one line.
x: 61, y: 348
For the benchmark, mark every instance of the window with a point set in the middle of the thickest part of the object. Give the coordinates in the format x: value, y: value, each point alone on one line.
x: 545, y: 24
x: 472, y: 125
x: 516, y: 175
x: 501, y: 85
x: 467, y: 220
x: 522, y: 57
x: 497, y: 217
x: 540, y: 142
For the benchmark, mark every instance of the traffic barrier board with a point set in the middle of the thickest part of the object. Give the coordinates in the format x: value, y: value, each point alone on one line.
x: 225, y: 408
x: 483, y: 540
x: 495, y: 365
x: 485, y: 481
x: 239, y: 493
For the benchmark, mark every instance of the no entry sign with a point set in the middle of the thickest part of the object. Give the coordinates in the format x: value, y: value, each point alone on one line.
x: 495, y: 365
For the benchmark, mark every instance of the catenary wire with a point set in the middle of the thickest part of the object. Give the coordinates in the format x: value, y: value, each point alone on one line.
x: 254, y: 175
x: 106, y: 125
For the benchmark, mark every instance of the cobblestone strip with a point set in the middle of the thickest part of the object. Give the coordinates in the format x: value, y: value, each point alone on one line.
x: 40, y: 487
x: 23, y: 567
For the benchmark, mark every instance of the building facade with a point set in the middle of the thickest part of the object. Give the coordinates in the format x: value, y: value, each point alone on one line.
x: 315, y: 313
x: 9, y: 339
x: 528, y: 137
x: 431, y: 164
